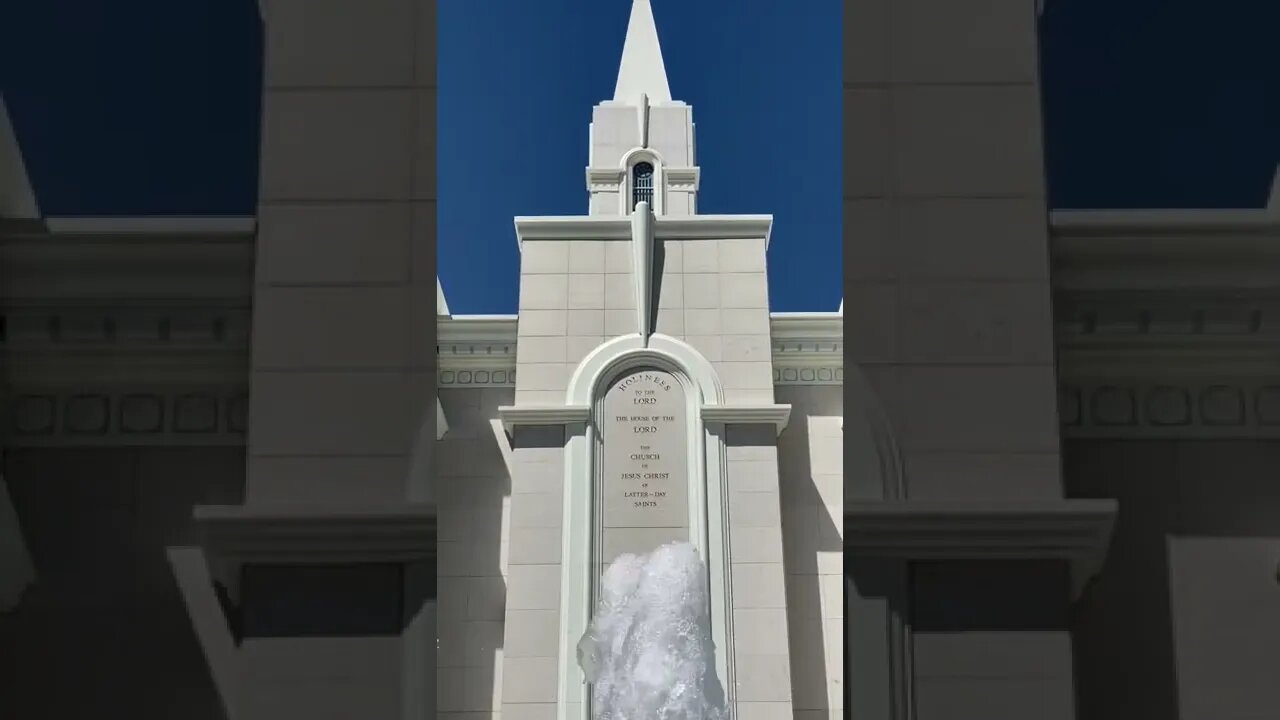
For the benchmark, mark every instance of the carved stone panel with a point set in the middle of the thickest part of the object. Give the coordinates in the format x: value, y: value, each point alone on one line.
x: 643, y: 490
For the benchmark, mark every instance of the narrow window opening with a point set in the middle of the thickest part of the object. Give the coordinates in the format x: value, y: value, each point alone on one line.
x: 642, y: 184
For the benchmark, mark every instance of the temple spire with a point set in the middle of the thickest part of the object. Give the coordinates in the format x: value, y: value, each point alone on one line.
x: 641, y: 71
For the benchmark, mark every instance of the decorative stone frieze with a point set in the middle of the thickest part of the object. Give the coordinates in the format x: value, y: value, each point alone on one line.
x: 126, y: 416
x: 1193, y: 407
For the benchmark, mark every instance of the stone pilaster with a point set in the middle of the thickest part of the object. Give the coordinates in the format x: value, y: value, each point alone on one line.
x: 948, y: 310
x: 342, y: 369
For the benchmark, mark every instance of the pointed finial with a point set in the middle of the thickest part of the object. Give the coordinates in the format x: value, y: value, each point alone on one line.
x: 641, y: 71
x: 1273, y: 202
x: 442, y: 307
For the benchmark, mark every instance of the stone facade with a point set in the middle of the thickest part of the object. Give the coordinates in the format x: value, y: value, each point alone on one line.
x: 270, y: 514
x: 643, y: 281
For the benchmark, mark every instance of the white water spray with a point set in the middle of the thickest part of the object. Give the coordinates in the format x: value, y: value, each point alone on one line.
x: 648, y: 651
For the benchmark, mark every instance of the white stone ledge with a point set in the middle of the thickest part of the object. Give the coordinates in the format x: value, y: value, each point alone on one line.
x: 1077, y: 531
x: 513, y: 416
x: 775, y: 415
x: 737, y: 227
x: 1165, y: 249
x: 1075, y: 223
x: 403, y: 532
x: 172, y: 225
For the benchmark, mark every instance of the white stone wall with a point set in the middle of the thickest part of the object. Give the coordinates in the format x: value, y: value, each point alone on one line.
x: 615, y: 130
x: 722, y: 296
x: 713, y: 294
x: 473, y: 491
x: 670, y: 133
x: 345, y: 250
x: 761, y: 637
x: 811, y: 469
x: 533, y: 633
x: 500, y: 542
x: 575, y: 294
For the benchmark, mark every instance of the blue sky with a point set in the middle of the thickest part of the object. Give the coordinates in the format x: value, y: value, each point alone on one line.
x: 150, y: 107
x: 765, y: 84
x: 1160, y: 103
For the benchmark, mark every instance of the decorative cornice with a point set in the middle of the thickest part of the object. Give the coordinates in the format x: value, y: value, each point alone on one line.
x: 1077, y: 531
x: 729, y: 227
x: 807, y: 372
x: 1165, y: 314
x: 476, y: 350
x: 775, y: 415
x: 605, y: 179
x: 208, y: 227
x: 586, y: 227
x: 514, y: 416
x: 394, y: 533
x: 1176, y: 358
x: 1163, y: 223
x: 816, y: 326
x: 808, y: 349
x: 683, y: 178
x: 478, y: 376
x: 158, y: 324
x: 575, y: 227
x: 105, y: 308
x: 1165, y: 249
x: 134, y: 260
x: 1179, y: 333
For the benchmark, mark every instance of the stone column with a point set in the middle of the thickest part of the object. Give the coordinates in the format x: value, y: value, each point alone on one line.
x: 766, y: 641
x: 344, y: 306
x: 533, y: 636
x: 948, y: 310
x: 343, y: 357
x: 947, y: 252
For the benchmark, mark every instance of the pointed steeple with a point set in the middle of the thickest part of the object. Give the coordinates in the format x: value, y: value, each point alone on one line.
x: 641, y: 71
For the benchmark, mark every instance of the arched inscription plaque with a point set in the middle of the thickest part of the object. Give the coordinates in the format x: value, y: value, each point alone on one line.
x: 644, y: 464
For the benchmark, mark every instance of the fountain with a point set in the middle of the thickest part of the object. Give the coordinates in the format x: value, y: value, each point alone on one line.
x: 648, y: 652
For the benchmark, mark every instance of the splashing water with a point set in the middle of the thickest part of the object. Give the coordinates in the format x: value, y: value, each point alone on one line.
x: 648, y: 651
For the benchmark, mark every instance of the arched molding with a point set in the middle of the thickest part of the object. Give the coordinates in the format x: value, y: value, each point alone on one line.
x: 708, y: 494
x: 870, y: 436
x: 590, y: 373
x: 876, y: 476
x: 629, y: 160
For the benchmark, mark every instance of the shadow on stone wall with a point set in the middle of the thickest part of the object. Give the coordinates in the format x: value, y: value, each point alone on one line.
x: 472, y: 487
x: 813, y: 547
x: 1125, y: 626
x: 104, y: 625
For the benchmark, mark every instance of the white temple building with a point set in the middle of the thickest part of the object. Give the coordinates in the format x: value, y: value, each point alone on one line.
x: 640, y: 291
x: 254, y: 468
